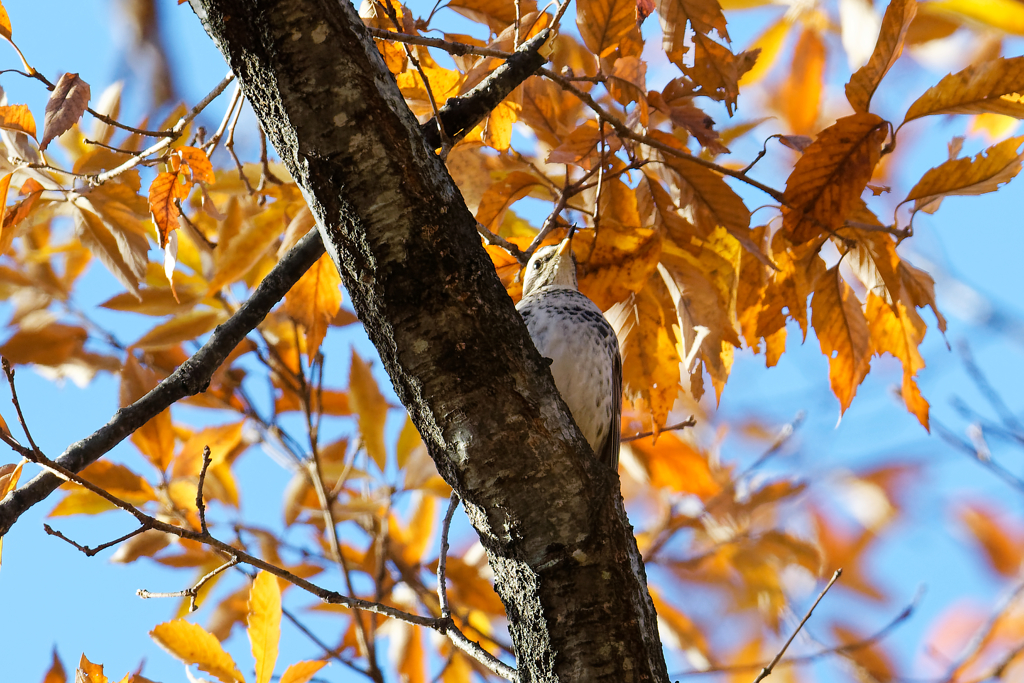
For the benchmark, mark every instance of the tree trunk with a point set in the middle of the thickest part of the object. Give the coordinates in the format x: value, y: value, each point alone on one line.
x: 565, y: 561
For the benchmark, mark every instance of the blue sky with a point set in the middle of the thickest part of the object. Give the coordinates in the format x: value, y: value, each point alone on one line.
x: 53, y: 594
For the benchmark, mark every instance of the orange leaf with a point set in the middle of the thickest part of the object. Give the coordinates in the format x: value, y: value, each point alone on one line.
x: 301, y: 672
x: 155, y: 439
x: 52, y: 345
x: 88, y: 672
x: 264, y: 624
x: 314, y: 301
x: 9, y: 475
x: 5, y: 31
x: 829, y: 178
x: 124, y: 253
x: 984, y: 173
x: 192, y: 644
x: 371, y: 407
x: 899, y: 332
x: 703, y: 15
x: 888, y: 48
x: 67, y: 103
x: 162, y: 193
x: 503, y: 194
x: 18, y: 118
x: 800, y: 96
x: 56, y: 672
x: 987, y: 87
x: 604, y: 23
x: 582, y: 146
x: 196, y: 161
x: 1002, y: 546
x: 770, y: 44
x: 628, y: 80
x: 843, y: 334
x: 676, y: 465
x: 180, y: 328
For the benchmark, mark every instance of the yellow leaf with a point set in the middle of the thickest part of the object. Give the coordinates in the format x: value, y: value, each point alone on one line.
x: 155, y: 439
x: 497, y: 14
x: 676, y: 465
x: 66, y: 105
x: 497, y: 127
x: 770, y: 44
x: 408, y: 440
x: 301, y: 672
x: 503, y: 194
x: 899, y: 331
x: 650, y: 361
x: 830, y: 176
x: 986, y: 87
x: 236, y: 256
x: 9, y: 475
x: 115, y: 479
x: 314, y: 301
x: 194, y: 645
x: 604, y: 23
x: 184, y: 327
x: 18, y: 118
x: 52, y: 345
x: 89, y: 672
x: 5, y: 25
x: 1004, y: 15
x: 582, y: 146
x: 843, y: 335
x: 984, y: 173
x: 800, y: 96
x: 628, y: 80
x: 370, y: 406
x: 264, y: 624
x: 888, y: 48
x: 157, y: 301
x: 225, y: 444
x: 123, y: 253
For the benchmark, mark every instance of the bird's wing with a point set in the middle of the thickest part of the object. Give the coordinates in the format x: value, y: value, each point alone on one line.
x: 610, y: 448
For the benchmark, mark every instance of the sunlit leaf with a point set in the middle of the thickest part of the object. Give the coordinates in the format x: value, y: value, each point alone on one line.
x: 970, y: 176
x: 603, y: 23
x: 370, y: 406
x: 194, y: 645
x: 264, y: 624
x: 314, y: 301
x: 842, y: 331
x: 18, y: 118
x: 991, y: 86
x: 301, y: 672
x: 66, y: 105
x: 888, y: 48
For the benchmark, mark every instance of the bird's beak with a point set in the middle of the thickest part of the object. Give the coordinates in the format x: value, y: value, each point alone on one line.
x: 566, y: 246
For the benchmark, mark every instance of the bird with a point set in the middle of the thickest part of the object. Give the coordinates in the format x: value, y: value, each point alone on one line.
x: 570, y: 330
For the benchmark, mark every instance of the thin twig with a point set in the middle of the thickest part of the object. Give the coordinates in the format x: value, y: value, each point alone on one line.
x: 448, y: 46
x: 984, y: 632
x: 191, y: 593
x: 200, y: 504
x: 688, y: 422
x: 9, y: 371
x: 442, y: 560
x: 90, y: 552
x: 175, y: 132
x: 211, y: 145
x: 499, y: 241
x: 767, y: 671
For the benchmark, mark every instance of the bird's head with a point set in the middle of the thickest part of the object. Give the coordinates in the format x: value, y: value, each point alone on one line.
x: 551, y: 266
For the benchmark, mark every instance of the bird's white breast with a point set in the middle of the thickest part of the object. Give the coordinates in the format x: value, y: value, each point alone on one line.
x: 569, y: 328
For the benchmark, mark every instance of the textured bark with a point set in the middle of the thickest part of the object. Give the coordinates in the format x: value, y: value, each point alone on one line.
x: 565, y: 561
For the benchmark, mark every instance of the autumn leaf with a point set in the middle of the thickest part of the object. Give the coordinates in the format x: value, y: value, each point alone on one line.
x: 703, y: 15
x: 67, y: 103
x: 162, y: 193
x: 194, y: 645
x: 51, y: 345
x: 627, y: 81
x: 154, y: 439
x: 831, y: 175
x: 1002, y: 545
x: 124, y: 253
x: 18, y: 118
x: 301, y: 672
x: 898, y: 16
x: 800, y: 96
x: 770, y: 45
x: 5, y: 31
x: 9, y: 476
x: 195, y: 162
x: 264, y: 624
x: 842, y: 331
x: 179, y: 328
x: 899, y: 331
x: 502, y: 194
x: 984, y: 173
x: 371, y: 408
x: 314, y: 301
x: 603, y: 23
x: 582, y: 147
x: 55, y: 674
x: 991, y: 86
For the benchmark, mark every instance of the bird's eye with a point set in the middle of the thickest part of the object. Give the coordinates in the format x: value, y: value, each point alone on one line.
x: 536, y: 265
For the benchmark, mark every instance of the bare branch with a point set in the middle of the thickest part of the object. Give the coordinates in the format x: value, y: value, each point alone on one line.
x: 191, y: 593
x: 767, y: 671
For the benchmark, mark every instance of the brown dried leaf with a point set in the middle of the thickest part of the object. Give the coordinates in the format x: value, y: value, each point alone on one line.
x: 842, y: 331
x: 898, y: 16
x: 987, y: 87
x: 829, y: 178
x: 67, y: 103
x: 984, y: 173
x: 703, y: 15
x: 582, y: 147
x: 604, y: 23
x: 628, y: 80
